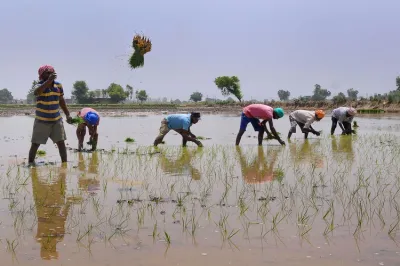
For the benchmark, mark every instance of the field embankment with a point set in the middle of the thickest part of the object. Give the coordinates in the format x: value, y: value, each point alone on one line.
x: 125, y: 109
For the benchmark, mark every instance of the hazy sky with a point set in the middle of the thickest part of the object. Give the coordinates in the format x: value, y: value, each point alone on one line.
x: 269, y: 45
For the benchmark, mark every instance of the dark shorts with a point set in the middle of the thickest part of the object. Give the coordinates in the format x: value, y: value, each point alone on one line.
x: 346, y: 125
x: 244, y: 120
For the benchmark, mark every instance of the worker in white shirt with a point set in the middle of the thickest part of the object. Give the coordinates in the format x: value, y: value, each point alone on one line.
x: 343, y: 115
x: 304, y: 119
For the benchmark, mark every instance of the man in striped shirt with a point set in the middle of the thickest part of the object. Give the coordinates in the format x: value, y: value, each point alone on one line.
x: 48, y: 122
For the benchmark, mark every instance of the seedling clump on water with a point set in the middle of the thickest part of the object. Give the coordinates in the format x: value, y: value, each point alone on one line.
x: 41, y: 153
x: 202, y: 138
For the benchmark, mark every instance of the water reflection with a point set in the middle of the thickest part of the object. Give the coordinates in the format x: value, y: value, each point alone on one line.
x: 307, y: 152
x: 182, y: 165
x: 258, y: 169
x: 89, y: 182
x: 52, y: 209
x: 343, y: 149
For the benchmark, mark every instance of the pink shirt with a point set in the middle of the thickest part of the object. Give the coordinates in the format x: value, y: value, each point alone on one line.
x: 86, y: 110
x: 260, y: 111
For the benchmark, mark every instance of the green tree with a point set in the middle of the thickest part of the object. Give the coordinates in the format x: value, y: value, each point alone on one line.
x: 80, y: 91
x: 5, y: 96
x: 229, y: 85
x: 129, y: 91
x: 339, y: 99
x: 283, y: 95
x: 30, y: 98
x: 116, y: 93
x: 141, y: 96
x: 196, y: 96
x: 352, y: 94
x: 320, y: 94
x: 398, y: 83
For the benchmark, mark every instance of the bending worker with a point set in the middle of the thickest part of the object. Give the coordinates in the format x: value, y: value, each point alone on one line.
x: 252, y: 113
x: 180, y: 123
x: 343, y: 115
x: 91, y: 120
x: 304, y: 119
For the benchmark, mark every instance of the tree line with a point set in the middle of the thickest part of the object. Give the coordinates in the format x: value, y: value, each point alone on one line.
x: 228, y: 85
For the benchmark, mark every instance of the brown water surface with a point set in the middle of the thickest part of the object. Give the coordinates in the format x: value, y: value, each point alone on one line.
x: 326, y: 200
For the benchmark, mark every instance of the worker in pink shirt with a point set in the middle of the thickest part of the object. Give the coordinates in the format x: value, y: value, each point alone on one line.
x: 252, y: 113
x: 91, y: 120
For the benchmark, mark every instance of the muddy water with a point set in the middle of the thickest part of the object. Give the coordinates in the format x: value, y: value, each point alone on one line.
x: 326, y: 200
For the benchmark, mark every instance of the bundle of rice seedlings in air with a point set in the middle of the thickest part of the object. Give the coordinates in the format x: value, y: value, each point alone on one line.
x: 141, y: 46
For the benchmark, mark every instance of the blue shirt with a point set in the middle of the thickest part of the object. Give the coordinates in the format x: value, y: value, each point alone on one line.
x: 48, y: 102
x: 179, y: 121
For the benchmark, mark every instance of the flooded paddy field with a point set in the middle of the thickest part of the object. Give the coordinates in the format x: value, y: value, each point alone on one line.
x: 327, y: 200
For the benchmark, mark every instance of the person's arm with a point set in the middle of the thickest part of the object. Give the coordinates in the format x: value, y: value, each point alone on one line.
x: 308, y: 123
x: 64, y: 107
x: 40, y: 88
x: 186, y: 135
x: 264, y: 126
x: 191, y: 134
x: 341, y: 126
x: 274, y: 133
x: 80, y: 133
x: 94, y: 137
x: 312, y: 130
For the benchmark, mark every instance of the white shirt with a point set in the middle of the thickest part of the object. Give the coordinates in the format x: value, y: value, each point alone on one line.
x: 304, y: 116
x: 341, y: 114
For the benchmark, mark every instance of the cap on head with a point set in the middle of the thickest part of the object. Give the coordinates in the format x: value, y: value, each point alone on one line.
x: 279, y: 112
x: 195, y: 115
x: 45, y: 68
x: 352, y: 111
x: 320, y: 114
x: 92, y: 118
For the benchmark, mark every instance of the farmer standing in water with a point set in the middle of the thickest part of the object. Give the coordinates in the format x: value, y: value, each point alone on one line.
x: 252, y: 113
x: 48, y: 122
x: 180, y: 123
x: 343, y: 115
x: 91, y: 120
x: 304, y: 119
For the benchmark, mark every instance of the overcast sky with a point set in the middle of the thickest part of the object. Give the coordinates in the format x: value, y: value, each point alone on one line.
x: 269, y: 45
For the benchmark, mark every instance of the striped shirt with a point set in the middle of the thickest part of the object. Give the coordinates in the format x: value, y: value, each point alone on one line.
x: 48, y: 103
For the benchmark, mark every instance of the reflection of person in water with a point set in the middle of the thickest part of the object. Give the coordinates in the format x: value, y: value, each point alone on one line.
x: 306, y: 152
x: 345, y: 146
x: 182, y: 165
x: 52, y: 209
x: 261, y: 169
x: 88, y: 182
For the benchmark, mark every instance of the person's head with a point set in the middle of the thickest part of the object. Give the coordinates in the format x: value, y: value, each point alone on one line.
x: 278, y: 113
x: 195, y: 117
x: 319, y: 114
x: 45, y: 71
x: 351, y: 112
x: 92, y: 119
